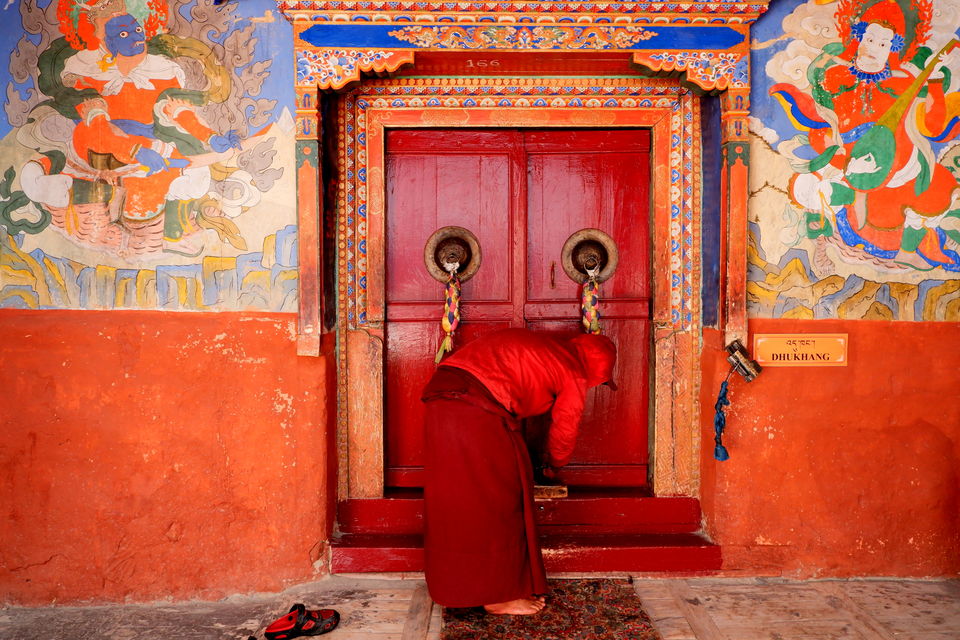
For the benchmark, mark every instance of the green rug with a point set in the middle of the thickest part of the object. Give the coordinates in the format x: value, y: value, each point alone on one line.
x: 604, y: 609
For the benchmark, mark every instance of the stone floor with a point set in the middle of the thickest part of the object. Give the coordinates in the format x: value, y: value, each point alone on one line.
x: 398, y: 608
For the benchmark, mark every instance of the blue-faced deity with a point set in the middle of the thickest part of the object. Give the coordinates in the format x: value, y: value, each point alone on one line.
x: 124, y: 36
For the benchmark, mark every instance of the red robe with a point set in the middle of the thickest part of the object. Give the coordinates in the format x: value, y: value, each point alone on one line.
x: 480, y: 540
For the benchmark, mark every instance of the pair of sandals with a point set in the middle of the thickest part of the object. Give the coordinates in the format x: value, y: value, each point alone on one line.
x: 301, y: 621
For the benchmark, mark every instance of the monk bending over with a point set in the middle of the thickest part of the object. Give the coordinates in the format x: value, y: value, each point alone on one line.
x: 480, y: 541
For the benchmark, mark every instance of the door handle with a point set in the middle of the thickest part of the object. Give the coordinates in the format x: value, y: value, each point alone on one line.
x: 589, y: 254
x: 452, y: 247
x: 553, y: 274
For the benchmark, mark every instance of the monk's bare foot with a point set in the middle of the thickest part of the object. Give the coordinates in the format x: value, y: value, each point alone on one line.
x: 519, y: 607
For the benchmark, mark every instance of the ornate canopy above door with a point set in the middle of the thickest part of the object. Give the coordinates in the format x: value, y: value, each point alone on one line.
x: 337, y: 41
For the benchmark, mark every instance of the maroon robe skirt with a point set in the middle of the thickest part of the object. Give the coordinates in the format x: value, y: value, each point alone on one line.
x: 480, y: 540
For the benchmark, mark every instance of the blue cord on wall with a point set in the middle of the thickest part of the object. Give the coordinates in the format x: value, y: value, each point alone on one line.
x: 719, y: 422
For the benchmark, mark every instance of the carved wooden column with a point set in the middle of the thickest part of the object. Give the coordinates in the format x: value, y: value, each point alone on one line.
x: 735, y: 110
x: 308, y: 220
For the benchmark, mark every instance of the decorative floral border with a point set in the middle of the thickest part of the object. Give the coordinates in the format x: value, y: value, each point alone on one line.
x: 422, y: 93
x: 334, y: 68
x: 504, y: 10
x: 708, y: 69
x: 524, y: 38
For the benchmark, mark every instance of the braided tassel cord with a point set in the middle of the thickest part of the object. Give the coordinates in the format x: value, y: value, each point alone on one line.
x: 451, y: 315
x: 590, y: 306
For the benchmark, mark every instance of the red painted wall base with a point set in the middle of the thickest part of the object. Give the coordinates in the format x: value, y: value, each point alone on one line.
x: 179, y: 455
x: 840, y: 471
x: 158, y: 455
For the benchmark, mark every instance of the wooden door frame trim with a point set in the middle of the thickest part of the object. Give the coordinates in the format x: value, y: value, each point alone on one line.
x: 672, y: 113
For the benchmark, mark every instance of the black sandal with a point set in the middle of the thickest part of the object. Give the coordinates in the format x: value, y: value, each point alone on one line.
x: 302, y: 622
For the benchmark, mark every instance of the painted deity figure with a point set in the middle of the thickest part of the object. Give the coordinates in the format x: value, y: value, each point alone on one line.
x: 870, y: 117
x: 132, y: 173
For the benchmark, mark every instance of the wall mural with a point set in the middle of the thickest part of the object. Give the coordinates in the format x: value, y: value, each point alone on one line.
x: 856, y: 111
x: 146, y: 158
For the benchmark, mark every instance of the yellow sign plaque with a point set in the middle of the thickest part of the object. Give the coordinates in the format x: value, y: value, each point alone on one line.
x: 800, y: 349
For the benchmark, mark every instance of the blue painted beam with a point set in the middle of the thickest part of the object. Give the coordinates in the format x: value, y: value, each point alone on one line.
x: 377, y: 36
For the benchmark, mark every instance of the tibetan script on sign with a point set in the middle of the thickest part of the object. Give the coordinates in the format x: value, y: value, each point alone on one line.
x: 800, y: 349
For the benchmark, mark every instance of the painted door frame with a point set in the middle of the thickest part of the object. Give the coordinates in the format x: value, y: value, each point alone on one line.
x: 335, y: 46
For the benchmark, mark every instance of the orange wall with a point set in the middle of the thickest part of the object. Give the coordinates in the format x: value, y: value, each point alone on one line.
x: 840, y: 471
x: 151, y: 455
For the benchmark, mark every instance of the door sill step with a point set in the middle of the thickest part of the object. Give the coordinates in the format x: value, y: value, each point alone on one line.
x: 637, y: 553
x: 593, y: 512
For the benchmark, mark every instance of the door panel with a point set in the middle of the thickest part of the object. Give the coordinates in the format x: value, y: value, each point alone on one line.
x: 578, y: 180
x: 522, y: 193
x: 427, y: 191
x: 601, y: 180
x: 411, y: 348
x: 612, y: 447
x: 469, y: 184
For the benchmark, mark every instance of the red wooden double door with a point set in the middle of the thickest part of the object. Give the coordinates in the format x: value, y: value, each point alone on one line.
x: 522, y: 193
